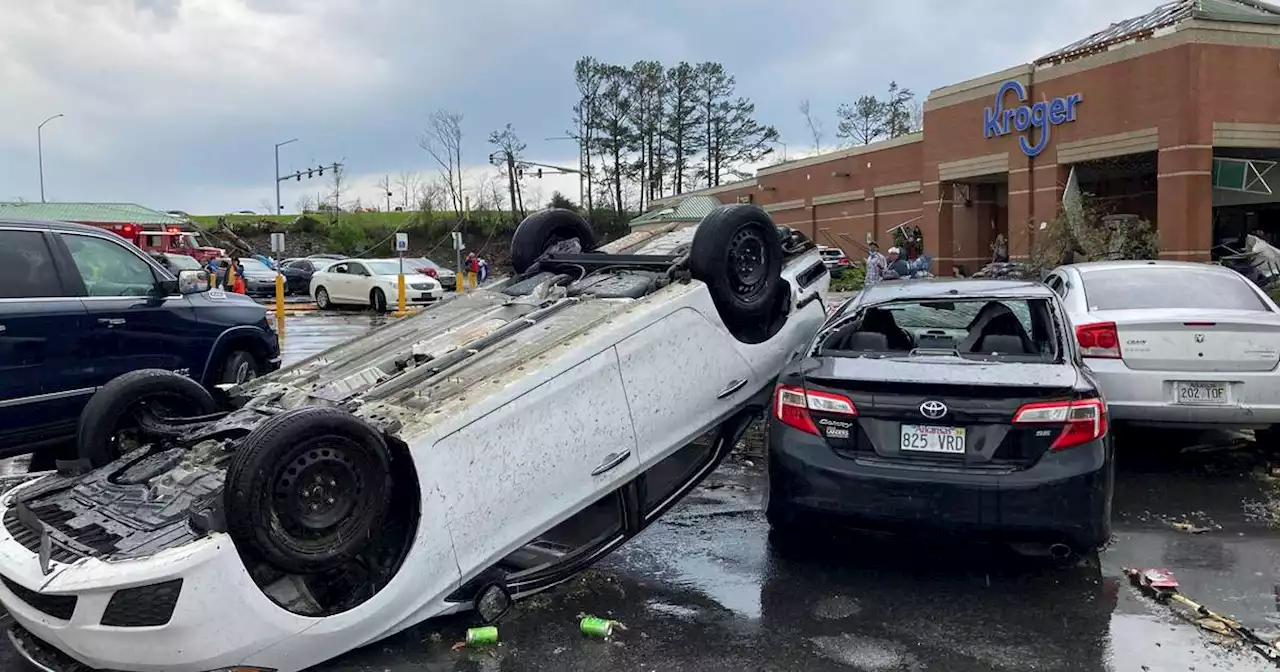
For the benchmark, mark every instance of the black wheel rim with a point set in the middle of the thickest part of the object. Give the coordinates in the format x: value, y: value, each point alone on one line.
x: 748, y: 261
x: 317, y: 489
x: 244, y: 372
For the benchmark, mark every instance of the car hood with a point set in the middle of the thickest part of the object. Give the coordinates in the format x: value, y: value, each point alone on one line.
x: 942, y: 370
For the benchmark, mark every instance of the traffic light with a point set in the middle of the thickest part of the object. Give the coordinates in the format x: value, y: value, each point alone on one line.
x: 520, y: 173
x: 309, y: 173
x: 299, y: 176
x: 321, y: 169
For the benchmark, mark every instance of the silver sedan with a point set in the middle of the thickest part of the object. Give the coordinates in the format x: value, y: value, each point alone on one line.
x: 1176, y: 343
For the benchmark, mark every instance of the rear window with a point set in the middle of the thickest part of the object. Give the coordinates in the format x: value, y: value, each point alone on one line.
x: 1155, y: 287
x: 1006, y: 329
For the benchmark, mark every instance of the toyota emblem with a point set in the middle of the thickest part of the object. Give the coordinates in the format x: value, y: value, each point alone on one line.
x: 933, y: 410
x: 1199, y: 338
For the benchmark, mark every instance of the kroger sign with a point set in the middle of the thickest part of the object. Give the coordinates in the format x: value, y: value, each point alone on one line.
x: 1000, y: 120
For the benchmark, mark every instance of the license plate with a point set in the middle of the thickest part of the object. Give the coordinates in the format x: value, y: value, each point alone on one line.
x: 1200, y: 394
x: 932, y: 439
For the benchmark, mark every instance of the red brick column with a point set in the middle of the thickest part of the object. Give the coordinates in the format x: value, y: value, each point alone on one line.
x: 1020, y: 213
x: 1184, y: 202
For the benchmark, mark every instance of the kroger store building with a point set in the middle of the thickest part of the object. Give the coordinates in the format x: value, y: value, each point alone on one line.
x: 1173, y: 116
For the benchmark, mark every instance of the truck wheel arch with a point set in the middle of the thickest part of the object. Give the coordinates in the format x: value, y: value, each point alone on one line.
x: 246, y: 338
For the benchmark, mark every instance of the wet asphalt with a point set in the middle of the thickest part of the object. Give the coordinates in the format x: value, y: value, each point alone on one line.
x: 707, y: 588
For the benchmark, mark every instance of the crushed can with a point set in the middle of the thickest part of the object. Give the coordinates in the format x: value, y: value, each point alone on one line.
x: 596, y: 627
x: 484, y: 635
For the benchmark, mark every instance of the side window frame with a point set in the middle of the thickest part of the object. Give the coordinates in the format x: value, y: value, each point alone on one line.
x: 63, y: 275
x: 72, y: 272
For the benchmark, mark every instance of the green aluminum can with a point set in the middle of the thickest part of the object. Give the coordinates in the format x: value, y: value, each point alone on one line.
x: 485, y: 635
x: 596, y: 627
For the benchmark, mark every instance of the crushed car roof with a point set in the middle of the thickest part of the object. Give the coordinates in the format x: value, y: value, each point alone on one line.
x: 930, y: 288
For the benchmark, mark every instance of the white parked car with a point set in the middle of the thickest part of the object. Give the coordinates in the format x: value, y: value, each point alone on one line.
x: 370, y: 282
x: 1176, y: 343
x: 480, y: 451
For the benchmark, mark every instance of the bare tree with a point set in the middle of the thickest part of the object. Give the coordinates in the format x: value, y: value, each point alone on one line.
x: 443, y: 141
x: 384, y: 195
x: 916, y: 110
x: 408, y: 183
x: 266, y: 205
x: 815, y: 125
x: 336, y: 184
x: 305, y: 203
x: 509, y: 147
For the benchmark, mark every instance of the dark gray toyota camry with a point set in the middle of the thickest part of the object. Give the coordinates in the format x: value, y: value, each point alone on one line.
x: 935, y: 405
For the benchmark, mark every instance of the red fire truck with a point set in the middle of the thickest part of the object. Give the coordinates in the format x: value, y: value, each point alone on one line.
x: 171, y: 239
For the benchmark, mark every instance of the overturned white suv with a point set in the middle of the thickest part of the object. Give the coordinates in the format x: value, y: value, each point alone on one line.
x: 480, y: 451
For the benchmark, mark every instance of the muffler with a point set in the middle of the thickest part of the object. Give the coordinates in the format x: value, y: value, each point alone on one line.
x: 1061, y: 552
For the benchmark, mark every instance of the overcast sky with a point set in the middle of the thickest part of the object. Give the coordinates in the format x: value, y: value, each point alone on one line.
x: 176, y: 104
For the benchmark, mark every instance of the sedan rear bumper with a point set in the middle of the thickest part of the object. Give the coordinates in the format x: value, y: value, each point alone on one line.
x: 1065, y: 497
x: 1148, y: 397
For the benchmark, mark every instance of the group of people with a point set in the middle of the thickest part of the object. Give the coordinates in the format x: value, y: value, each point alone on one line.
x: 217, y: 269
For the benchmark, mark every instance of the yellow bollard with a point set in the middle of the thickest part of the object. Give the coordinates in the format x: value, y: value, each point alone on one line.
x: 400, y: 296
x: 279, y: 298
x: 471, y: 279
x: 231, y: 277
x: 459, y: 282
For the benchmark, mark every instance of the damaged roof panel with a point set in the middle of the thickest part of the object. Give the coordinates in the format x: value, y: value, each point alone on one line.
x: 1164, y: 16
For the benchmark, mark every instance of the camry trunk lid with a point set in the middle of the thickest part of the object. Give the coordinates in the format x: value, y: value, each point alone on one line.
x: 942, y: 411
x: 1196, y: 340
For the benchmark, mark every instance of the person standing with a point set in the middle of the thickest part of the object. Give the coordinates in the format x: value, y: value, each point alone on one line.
x: 875, y: 265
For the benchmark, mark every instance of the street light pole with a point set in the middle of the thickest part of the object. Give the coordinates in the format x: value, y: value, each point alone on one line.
x: 278, y: 146
x: 40, y: 152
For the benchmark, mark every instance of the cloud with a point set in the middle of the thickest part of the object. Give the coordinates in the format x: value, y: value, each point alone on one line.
x: 177, y: 103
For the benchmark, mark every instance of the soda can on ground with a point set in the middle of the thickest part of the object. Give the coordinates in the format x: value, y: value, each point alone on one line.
x: 485, y: 635
x: 596, y: 627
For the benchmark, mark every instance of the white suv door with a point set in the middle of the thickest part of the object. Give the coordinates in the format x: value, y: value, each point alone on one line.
x: 681, y: 374
x: 533, y: 462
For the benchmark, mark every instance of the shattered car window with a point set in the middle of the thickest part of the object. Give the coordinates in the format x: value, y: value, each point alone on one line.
x: 1009, y: 329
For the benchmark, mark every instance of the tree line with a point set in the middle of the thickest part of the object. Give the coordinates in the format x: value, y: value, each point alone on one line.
x: 647, y: 130
x: 869, y: 118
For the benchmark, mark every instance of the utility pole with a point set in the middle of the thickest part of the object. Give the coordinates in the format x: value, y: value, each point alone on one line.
x: 278, y: 179
x: 40, y: 152
x: 387, y: 181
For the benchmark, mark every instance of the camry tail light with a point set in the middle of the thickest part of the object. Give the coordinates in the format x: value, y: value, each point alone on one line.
x: 791, y: 406
x: 1099, y: 340
x: 1082, y: 421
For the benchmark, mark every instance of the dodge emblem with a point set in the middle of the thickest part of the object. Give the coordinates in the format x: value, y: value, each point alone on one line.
x: 933, y: 410
x: 1199, y: 338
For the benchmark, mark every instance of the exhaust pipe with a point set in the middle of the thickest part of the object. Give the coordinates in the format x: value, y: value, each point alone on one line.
x: 1061, y: 552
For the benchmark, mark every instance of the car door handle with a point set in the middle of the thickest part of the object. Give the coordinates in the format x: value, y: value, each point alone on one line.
x: 733, y: 386
x: 111, y: 321
x: 610, y: 461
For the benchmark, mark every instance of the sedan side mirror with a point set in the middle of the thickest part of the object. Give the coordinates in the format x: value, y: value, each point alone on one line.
x: 191, y: 281
x: 493, y: 602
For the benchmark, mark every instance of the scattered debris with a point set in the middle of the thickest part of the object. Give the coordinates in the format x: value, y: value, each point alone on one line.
x: 1160, y: 585
x: 1192, y: 529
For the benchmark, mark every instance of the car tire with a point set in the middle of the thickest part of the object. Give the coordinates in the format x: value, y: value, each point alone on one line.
x: 347, y: 488
x: 378, y: 300
x: 1266, y: 438
x: 737, y: 253
x: 109, y: 416
x: 238, y: 367
x: 543, y: 229
x: 322, y: 299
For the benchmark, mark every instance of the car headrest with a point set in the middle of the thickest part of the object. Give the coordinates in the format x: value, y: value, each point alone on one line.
x: 1001, y: 344
x: 866, y: 340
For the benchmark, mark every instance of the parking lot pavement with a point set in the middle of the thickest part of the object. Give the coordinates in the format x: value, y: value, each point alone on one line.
x: 706, y: 588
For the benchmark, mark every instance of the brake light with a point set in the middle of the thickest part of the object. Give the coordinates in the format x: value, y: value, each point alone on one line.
x: 791, y: 406
x: 1099, y: 340
x: 428, y: 271
x: 1082, y: 421
x: 844, y: 261
x: 1198, y: 325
